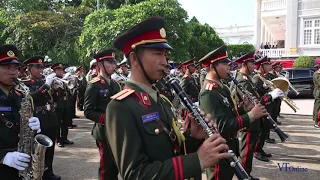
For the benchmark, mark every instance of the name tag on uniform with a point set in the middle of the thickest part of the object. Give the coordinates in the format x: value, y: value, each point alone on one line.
x: 5, y: 108
x: 104, y: 90
x: 150, y: 117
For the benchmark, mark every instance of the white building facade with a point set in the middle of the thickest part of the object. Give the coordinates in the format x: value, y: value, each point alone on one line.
x: 293, y: 25
x: 236, y: 34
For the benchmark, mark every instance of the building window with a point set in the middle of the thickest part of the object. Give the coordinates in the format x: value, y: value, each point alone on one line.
x: 311, y: 33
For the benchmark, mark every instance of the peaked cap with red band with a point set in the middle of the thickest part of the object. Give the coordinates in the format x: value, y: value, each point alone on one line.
x: 220, y: 54
x: 56, y: 66
x: 249, y: 57
x: 263, y: 60
x: 149, y: 33
x: 35, y: 61
x: 8, y: 54
x: 188, y: 63
x: 276, y: 64
x: 108, y: 54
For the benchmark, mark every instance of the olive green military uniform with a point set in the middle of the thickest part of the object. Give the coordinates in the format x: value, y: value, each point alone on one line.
x: 44, y: 109
x: 63, y: 113
x: 316, y: 94
x: 140, y: 131
x: 215, y: 99
x: 80, y: 91
x: 249, y: 137
x: 203, y: 74
x: 274, y: 107
x: 9, y: 129
x: 189, y: 85
x: 265, y: 125
x: 164, y: 89
x: 97, y: 97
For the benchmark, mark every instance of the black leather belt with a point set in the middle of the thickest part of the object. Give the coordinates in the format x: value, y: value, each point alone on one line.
x: 9, y: 124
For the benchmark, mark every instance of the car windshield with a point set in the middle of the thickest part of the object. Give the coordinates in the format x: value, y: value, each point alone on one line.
x: 299, y: 73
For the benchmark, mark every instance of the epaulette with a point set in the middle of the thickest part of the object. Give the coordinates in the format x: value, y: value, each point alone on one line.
x: 122, y: 94
x: 211, y: 85
x: 96, y: 79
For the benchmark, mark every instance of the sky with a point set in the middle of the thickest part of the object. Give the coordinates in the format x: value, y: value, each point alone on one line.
x: 220, y: 13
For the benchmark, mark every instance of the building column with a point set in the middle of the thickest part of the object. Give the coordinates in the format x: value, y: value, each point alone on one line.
x: 257, y: 24
x: 261, y: 33
x: 291, y: 25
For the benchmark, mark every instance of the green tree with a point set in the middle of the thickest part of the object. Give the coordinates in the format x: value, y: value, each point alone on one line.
x: 203, y: 39
x: 235, y: 50
x: 103, y: 26
x: 303, y: 62
x: 5, y: 20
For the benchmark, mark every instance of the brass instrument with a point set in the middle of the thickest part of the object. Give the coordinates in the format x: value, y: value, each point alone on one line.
x: 283, y: 84
x: 35, y: 146
x: 290, y: 85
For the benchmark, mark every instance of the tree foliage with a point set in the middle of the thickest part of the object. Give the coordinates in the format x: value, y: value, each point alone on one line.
x: 235, y: 50
x: 4, y: 25
x: 103, y: 26
x: 304, y: 61
x: 203, y: 39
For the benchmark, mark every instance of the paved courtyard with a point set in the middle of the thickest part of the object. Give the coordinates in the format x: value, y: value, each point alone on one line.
x: 81, y: 160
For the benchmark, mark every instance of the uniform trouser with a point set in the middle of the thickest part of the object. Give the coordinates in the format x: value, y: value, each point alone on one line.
x: 316, y: 111
x: 8, y: 173
x: 223, y: 170
x: 80, y: 101
x: 108, y: 169
x: 63, y: 119
x: 247, y: 142
x: 51, y: 133
x: 277, y: 107
x: 73, y: 101
x: 263, y: 135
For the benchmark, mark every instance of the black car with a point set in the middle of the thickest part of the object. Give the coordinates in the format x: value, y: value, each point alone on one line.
x: 302, y: 80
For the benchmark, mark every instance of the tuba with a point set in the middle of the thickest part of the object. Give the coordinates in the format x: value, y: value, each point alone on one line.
x: 35, y: 146
x: 290, y: 85
x: 283, y: 84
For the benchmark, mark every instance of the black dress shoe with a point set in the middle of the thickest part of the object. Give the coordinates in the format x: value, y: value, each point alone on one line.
x: 278, y: 123
x: 316, y: 126
x: 60, y: 144
x: 271, y: 141
x: 75, y: 116
x: 67, y: 141
x: 266, y: 154
x: 253, y: 178
x: 52, y: 177
x: 260, y: 157
x: 74, y: 125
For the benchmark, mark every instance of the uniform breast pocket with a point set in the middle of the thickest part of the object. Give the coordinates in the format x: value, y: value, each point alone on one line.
x: 152, y: 128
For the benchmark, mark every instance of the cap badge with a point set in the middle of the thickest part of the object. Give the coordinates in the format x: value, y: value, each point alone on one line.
x: 40, y: 60
x: 113, y: 54
x: 163, y: 33
x: 60, y: 65
x: 10, y: 54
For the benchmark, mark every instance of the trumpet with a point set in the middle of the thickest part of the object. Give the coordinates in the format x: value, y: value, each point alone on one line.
x: 59, y: 83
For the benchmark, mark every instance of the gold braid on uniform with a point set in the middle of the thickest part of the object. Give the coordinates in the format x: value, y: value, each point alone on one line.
x: 180, y: 137
x: 233, y: 99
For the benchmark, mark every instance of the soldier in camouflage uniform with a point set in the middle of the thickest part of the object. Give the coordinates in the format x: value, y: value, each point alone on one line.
x: 216, y: 99
x: 143, y: 136
x: 97, y: 97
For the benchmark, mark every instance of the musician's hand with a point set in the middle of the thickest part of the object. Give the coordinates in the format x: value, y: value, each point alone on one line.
x: 247, y: 104
x: 276, y: 93
x: 50, y: 78
x: 259, y: 111
x: 209, y: 152
x: 16, y: 160
x: 34, y: 124
x: 196, y: 129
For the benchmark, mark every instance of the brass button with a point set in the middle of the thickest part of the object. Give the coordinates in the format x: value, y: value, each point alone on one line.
x: 157, y: 131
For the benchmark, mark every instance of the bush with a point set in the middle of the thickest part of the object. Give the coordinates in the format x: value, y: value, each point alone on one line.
x: 303, y: 62
x: 236, y: 49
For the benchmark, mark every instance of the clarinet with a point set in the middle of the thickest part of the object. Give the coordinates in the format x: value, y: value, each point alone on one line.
x: 195, y: 112
x: 255, y: 101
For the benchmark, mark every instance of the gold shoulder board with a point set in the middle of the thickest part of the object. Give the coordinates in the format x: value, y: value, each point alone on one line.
x: 122, y: 94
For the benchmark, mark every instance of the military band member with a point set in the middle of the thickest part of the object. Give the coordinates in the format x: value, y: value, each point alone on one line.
x: 249, y: 137
x: 164, y: 88
x: 123, y: 67
x: 81, y: 88
x: 93, y: 72
x: 144, y: 140
x: 97, y: 97
x: 44, y: 107
x: 274, y: 73
x: 10, y: 159
x: 277, y: 68
x: 215, y: 99
x: 316, y: 95
x: 62, y: 109
x: 23, y: 74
